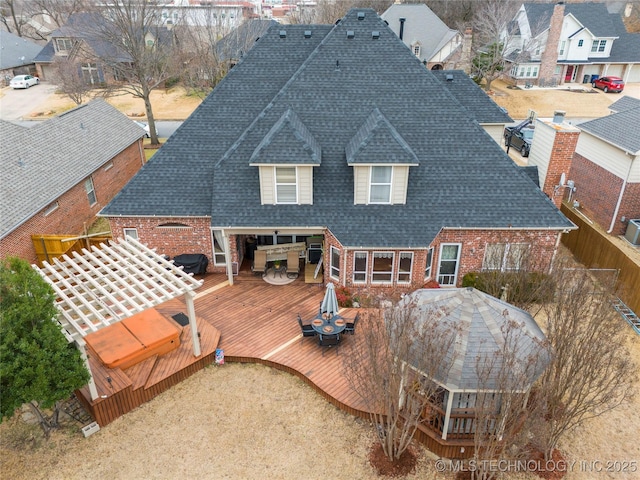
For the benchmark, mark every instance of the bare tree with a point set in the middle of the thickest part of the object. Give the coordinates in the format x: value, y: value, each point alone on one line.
x: 138, y: 50
x: 404, y: 348
x: 13, y: 17
x: 69, y: 81
x: 591, y: 371
x: 505, y: 377
x: 492, y: 37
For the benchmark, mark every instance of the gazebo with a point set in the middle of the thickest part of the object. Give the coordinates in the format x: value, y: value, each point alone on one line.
x: 481, y: 322
x: 113, y: 283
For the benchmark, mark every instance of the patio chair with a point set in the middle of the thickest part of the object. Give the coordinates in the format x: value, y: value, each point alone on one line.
x: 329, y: 341
x: 350, y: 327
x: 259, y: 266
x: 293, y: 264
x: 307, y: 330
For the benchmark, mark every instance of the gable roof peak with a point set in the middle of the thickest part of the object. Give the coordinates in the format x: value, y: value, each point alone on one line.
x: 377, y: 141
x: 288, y: 141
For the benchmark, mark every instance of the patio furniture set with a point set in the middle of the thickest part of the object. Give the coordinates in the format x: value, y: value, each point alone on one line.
x: 328, y: 328
x: 262, y: 266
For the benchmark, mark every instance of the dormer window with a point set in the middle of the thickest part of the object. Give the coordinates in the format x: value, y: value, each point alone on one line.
x: 380, y: 184
x: 416, y: 49
x: 286, y: 185
x: 64, y: 45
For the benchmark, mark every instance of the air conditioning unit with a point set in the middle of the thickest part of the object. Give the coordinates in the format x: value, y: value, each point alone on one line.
x: 633, y: 232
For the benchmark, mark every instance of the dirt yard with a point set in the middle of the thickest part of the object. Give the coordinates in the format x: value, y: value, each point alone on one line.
x: 577, y: 100
x: 172, y: 104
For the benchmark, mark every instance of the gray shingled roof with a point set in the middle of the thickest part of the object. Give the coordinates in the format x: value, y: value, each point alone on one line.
x: 472, y: 97
x: 16, y: 51
x: 481, y: 320
x: 39, y: 164
x: 624, y: 103
x: 333, y: 84
x: 421, y: 25
x: 620, y: 129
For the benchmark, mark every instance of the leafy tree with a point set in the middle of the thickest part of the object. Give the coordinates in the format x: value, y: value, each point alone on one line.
x: 37, y: 364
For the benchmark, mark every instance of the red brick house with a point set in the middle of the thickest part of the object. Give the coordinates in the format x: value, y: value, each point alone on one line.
x: 57, y: 175
x: 596, y: 164
x: 339, y: 131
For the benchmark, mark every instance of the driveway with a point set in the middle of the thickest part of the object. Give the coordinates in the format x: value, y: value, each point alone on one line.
x: 16, y: 104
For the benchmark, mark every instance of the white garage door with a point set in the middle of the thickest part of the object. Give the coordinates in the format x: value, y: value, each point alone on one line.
x: 634, y: 75
x: 615, y: 70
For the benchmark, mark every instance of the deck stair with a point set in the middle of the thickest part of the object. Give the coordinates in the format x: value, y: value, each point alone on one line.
x: 628, y: 314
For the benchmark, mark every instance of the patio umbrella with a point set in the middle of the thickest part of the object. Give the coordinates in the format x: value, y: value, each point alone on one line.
x: 330, y: 301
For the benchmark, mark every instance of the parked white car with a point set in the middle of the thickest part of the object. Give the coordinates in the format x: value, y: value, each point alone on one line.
x: 147, y: 130
x: 23, y: 81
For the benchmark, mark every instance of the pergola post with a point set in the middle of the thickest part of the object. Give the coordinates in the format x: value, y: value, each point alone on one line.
x: 191, y: 312
x: 92, y: 384
x: 447, y: 415
x: 227, y: 256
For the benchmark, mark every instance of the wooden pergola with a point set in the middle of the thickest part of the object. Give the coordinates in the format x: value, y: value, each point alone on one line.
x: 108, y: 284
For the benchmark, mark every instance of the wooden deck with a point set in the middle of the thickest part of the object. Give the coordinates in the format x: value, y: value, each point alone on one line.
x: 251, y: 321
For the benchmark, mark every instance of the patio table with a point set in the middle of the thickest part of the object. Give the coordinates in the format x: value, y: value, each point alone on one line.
x: 328, y: 325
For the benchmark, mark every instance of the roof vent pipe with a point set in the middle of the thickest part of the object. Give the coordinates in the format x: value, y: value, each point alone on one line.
x: 402, y: 20
x: 558, y: 116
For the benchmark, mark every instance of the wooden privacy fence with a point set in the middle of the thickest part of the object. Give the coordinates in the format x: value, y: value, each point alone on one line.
x: 595, y: 249
x: 48, y: 247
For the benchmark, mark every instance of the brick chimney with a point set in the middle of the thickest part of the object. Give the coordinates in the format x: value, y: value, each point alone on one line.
x: 555, y: 160
x: 465, y: 55
x: 549, y: 58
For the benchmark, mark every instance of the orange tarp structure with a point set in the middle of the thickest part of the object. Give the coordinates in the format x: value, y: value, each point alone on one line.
x: 130, y: 341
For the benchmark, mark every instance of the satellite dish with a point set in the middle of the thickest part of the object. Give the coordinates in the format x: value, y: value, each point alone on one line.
x: 563, y: 178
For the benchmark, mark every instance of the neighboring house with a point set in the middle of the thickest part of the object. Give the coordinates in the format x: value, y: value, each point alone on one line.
x: 59, y: 173
x: 80, y: 42
x: 437, y: 46
x: 17, y: 57
x: 222, y: 14
x: 595, y: 164
x: 573, y: 42
x: 339, y: 131
x: 487, y: 113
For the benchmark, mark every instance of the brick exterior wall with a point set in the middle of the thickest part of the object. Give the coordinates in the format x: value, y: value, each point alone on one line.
x: 564, y: 146
x: 193, y: 237
x: 74, y: 211
x: 598, y: 192
x: 549, y: 57
x: 473, y: 246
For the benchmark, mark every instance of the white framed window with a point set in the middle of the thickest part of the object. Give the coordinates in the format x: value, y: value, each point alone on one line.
x: 90, y: 73
x: 91, y: 192
x: 360, y: 267
x: 380, y: 184
x: 602, y: 46
x: 219, y: 257
x: 427, y: 270
x: 594, y: 45
x: 535, y: 72
x: 64, y: 44
x: 382, y: 271
x: 108, y: 166
x: 334, y: 260
x: 528, y: 71
x: 505, y: 256
x: 416, y: 49
x: 405, y: 266
x: 563, y: 43
x: 449, y: 262
x: 580, y: 43
x: 130, y: 233
x: 286, y: 185
x: 51, y: 208
x: 558, y: 70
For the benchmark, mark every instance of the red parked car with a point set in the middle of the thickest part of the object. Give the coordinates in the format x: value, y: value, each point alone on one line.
x: 609, y: 84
